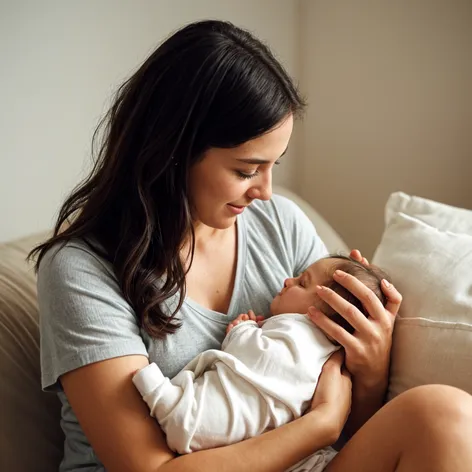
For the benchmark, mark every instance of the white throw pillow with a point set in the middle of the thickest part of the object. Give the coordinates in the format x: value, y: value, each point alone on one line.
x: 427, y: 250
x: 439, y: 215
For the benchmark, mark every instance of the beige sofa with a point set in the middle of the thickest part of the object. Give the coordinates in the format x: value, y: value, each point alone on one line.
x: 426, y: 247
x: 30, y: 434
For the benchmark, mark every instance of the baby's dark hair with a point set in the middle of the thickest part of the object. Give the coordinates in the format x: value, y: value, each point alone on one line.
x: 370, y: 275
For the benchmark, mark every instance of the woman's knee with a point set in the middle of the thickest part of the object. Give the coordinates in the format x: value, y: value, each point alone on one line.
x: 436, y: 406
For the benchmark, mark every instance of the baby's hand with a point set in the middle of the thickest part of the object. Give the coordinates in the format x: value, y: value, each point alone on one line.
x: 249, y: 316
x: 240, y: 318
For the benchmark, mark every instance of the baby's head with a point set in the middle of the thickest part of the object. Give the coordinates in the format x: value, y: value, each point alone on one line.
x: 299, y: 293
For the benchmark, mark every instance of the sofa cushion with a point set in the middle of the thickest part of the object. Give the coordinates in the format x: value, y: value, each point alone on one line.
x: 30, y: 433
x: 427, y: 249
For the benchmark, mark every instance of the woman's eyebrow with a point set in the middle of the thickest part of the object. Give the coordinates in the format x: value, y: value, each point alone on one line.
x: 255, y: 160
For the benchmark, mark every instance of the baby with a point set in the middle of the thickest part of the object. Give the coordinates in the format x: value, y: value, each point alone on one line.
x: 265, y: 373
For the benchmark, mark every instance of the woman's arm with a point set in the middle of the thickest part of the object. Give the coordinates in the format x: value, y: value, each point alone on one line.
x: 125, y: 437
x: 365, y: 403
x: 113, y: 416
x: 368, y: 399
x: 368, y: 348
x: 274, y: 451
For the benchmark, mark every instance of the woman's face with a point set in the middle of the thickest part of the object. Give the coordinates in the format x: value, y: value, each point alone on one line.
x: 226, y: 181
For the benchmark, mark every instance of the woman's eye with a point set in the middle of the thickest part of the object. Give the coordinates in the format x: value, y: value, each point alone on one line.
x: 245, y: 176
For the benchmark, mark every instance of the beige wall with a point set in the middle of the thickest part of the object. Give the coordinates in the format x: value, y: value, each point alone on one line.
x: 60, y: 63
x: 390, y: 90
x: 388, y: 85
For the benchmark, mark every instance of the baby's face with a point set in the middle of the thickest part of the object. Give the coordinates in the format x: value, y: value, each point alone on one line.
x: 299, y: 293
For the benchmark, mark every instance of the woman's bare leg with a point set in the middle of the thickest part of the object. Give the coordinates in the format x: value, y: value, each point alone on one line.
x: 427, y: 428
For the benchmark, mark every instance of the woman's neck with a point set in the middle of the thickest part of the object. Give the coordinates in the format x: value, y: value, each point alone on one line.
x: 207, y: 237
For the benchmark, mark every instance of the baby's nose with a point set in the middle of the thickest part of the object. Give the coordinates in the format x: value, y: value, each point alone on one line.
x: 288, y: 282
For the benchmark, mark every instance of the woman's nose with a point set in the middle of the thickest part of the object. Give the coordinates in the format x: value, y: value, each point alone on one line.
x: 263, y: 189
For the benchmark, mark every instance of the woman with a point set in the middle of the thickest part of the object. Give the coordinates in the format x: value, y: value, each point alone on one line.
x: 175, y: 233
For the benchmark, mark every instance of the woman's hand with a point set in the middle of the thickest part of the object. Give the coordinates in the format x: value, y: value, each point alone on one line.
x: 368, y: 348
x: 333, y: 395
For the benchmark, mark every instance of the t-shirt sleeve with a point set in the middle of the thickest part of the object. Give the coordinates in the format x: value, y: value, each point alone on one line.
x: 83, y: 315
x: 305, y: 244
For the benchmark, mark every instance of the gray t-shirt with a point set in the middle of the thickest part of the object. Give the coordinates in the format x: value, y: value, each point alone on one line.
x: 84, y: 317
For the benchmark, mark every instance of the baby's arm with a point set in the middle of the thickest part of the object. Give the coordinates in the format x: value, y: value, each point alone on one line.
x: 157, y: 391
x: 193, y: 409
x: 174, y: 404
x: 247, y: 341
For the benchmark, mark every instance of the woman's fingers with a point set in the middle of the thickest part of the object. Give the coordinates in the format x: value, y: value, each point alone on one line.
x: 330, y: 371
x: 345, y: 372
x: 333, y: 392
x: 357, y: 256
x: 394, y: 298
x: 392, y: 294
x: 348, y: 311
x: 336, y: 359
x: 332, y: 329
x: 367, y: 297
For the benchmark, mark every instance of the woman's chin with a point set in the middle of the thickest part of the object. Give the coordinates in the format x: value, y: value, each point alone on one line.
x: 219, y: 223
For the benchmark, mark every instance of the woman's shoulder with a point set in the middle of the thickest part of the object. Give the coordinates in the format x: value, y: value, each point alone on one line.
x: 277, y: 205
x: 280, y: 213
x: 276, y: 209
x: 84, y: 316
x: 78, y: 272
x: 283, y: 224
x: 75, y: 255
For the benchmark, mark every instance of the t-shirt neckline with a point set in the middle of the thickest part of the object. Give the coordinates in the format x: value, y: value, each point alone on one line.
x: 238, y: 280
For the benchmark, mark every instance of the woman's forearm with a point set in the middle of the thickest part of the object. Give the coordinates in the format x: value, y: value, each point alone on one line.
x: 274, y: 451
x: 366, y: 401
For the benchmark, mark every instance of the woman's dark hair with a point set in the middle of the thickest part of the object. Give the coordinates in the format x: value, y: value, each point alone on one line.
x: 211, y: 84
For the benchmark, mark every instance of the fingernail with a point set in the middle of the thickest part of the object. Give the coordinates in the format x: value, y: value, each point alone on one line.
x: 319, y: 288
x: 339, y: 273
x: 387, y: 283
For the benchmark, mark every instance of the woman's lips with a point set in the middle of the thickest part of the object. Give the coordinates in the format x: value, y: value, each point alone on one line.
x: 236, y: 209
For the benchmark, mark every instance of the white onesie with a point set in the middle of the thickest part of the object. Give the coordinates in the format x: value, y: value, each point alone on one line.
x: 261, y: 378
